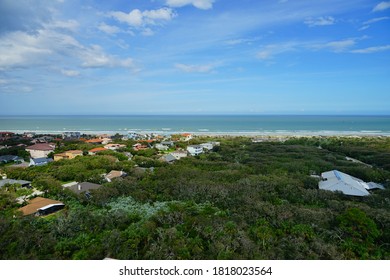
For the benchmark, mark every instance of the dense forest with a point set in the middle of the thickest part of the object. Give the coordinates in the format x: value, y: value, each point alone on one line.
x: 243, y: 200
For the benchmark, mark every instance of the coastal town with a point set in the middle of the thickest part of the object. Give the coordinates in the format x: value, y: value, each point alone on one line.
x: 261, y: 189
x: 32, y: 150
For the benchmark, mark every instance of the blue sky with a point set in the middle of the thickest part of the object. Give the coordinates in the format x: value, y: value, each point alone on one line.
x: 194, y: 57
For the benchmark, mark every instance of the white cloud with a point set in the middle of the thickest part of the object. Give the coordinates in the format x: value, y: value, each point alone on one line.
x: 241, y: 41
x: 137, y: 18
x: 320, y: 21
x: 200, y: 4
x: 188, y: 68
x: 20, y: 49
x: 70, y: 73
x: 109, y: 29
x: 372, y: 49
x: 381, y: 6
x: 375, y: 20
x: 367, y: 23
x: 95, y: 57
x: 268, y: 52
x: 364, y: 27
x: 71, y: 25
x: 340, y: 46
x: 134, y: 18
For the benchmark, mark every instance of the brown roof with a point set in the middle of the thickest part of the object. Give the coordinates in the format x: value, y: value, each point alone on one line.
x: 97, y: 150
x: 37, y: 203
x: 74, y: 152
x: 41, y: 147
x: 114, y: 174
x: 94, y: 141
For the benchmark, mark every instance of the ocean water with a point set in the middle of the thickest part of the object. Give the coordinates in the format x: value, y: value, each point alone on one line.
x: 202, y: 124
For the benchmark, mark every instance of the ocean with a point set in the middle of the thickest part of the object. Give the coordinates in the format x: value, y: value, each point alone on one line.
x: 202, y: 124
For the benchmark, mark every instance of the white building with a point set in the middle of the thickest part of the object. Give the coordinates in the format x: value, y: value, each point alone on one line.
x: 338, y: 181
x: 178, y: 154
x: 161, y: 147
x: 195, y: 150
x: 40, y: 150
x: 114, y: 147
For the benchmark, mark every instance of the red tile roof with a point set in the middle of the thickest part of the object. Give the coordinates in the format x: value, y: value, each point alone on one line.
x: 95, y: 150
x: 94, y: 141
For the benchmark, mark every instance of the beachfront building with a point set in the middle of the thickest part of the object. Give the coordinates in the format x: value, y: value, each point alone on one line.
x: 338, y: 181
x: 186, y: 137
x: 41, y: 150
x: 68, y: 155
x: 71, y: 135
x: 195, y: 150
x: 5, y: 135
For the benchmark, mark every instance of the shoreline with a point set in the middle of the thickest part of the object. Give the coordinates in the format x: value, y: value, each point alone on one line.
x: 266, y: 133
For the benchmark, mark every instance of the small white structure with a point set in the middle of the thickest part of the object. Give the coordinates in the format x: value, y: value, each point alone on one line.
x: 114, y: 147
x: 338, y: 181
x: 178, y: 154
x: 195, y: 150
x: 161, y: 147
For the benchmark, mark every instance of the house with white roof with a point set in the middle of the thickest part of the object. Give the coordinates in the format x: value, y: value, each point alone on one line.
x: 195, y: 150
x: 338, y: 181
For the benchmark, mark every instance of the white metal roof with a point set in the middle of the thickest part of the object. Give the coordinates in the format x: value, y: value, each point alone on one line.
x: 338, y: 181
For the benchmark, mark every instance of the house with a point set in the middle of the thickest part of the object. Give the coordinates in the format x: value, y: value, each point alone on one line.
x: 94, y: 141
x: 139, y: 147
x: 71, y: 135
x: 22, y: 183
x: 40, y: 150
x: 178, y: 154
x: 114, y: 174
x: 43, y: 139
x: 68, y: 155
x: 114, y: 146
x: 169, y: 158
x: 133, y: 136
x: 39, y: 161
x: 168, y: 143
x: 10, y: 158
x: 186, y: 136
x: 41, y: 206
x: 338, y: 181
x: 106, y: 140
x: 195, y: 150
x: 4, y: 135
x: 96, y: 150
x: 84, y: 187
x: 161, y: 147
